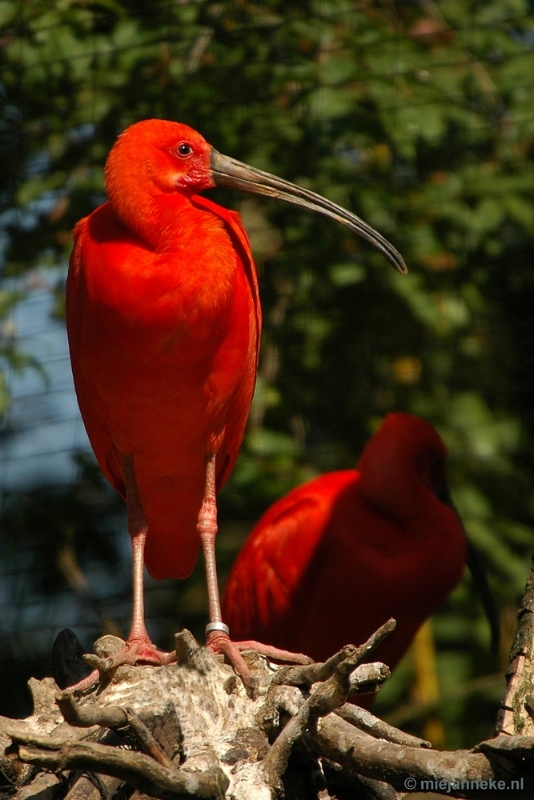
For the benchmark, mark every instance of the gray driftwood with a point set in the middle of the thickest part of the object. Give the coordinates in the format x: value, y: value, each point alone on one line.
x: 192, y: 729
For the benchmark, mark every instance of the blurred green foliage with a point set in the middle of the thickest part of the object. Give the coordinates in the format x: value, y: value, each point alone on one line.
x: 417, y: 116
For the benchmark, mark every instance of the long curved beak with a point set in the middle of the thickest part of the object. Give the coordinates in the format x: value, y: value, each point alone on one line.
x: 477, y: 568
x: 235, y: 175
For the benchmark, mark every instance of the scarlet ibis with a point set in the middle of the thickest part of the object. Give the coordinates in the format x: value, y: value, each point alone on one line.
x: 334, y: 559
x: 164, y: 320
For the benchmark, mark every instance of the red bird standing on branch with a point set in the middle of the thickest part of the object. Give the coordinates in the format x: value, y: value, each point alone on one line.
x: 337, y: 557
x: 164, y: 321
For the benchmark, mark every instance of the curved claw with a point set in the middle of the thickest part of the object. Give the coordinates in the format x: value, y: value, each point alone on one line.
x: 220, y: 642
x: 134, y: 652
x: 275, y: 652
x: 85, y: 683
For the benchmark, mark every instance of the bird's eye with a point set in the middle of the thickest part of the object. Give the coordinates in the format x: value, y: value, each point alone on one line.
x: 184, y: 149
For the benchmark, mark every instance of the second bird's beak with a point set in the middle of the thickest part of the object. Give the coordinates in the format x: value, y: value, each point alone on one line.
x: 477, y: 569
x: 234, y: 174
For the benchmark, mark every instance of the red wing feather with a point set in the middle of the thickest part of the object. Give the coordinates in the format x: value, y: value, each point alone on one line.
x: 274, y: 560
x: 242, y: 399
x: 92, y: 408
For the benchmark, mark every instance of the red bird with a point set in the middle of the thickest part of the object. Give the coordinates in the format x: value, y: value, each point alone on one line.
x: 334, y: 559
x: 164, y: 320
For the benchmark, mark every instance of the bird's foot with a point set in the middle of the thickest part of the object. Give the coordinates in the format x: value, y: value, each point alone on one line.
x: 276, y: 653
x: 138, y: 650
x: 219, y: 642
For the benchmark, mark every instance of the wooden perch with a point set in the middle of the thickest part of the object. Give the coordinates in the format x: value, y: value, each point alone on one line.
x: 308, y: 674
x: 458, y: 773
x: 516, y: 714
x: 134, y: 768
x: 112, y: 717
x: 367, y: 722
x: 192, y: 729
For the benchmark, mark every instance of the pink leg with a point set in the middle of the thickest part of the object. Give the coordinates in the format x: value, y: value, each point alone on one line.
x: 137, y: 528
x: 217, y: 633
x: 138, y: 648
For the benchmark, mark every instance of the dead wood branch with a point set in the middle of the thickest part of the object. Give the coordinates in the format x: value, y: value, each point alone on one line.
x: 308, y: 674
x: 93, y: 786
x: 191, y: 729
x: 329, y: 695
x: 44, y: 787
x: 414, y: 769
x: 367, y: 722
x: 111, y: 717
x: 134, y: 768
x: 517, y: 708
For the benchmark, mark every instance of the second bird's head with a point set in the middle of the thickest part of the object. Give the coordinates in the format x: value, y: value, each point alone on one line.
x: 157, y: 156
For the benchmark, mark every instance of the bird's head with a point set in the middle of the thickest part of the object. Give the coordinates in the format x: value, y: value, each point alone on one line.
x: 407, y: 451
x: 159, y: 157
x: 156, y: 157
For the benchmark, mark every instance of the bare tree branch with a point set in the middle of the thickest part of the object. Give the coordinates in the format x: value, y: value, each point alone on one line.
x: 135, y: 768
x: 308, y: 674
x: 111, y: 717
x: 44, y: 787
x: 367, y: 722
x: 203, y: 734
x: 517, y: 707
x: 419, y: 769
x: 92, y: 786
x: 327, y: 696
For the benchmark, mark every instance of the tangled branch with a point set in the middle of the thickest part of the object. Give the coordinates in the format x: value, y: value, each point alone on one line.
x: 191, y: 729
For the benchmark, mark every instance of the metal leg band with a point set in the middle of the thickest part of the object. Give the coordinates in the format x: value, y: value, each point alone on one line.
x: 217, y: 626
